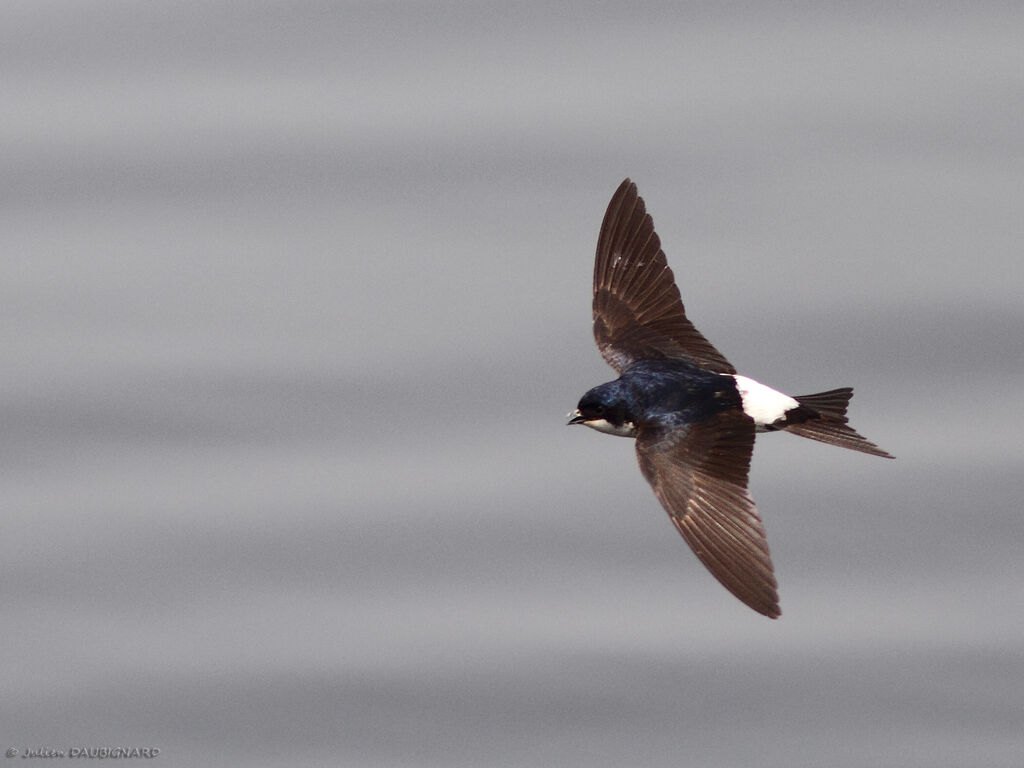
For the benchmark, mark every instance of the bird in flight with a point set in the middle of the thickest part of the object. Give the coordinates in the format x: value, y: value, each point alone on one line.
x: 693, y: 417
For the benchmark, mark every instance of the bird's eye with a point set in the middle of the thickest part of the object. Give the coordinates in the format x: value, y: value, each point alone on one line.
x: 598, y: 409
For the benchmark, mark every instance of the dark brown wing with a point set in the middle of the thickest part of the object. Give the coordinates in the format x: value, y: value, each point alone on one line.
x: 638, y: 313
x: 699, y: 474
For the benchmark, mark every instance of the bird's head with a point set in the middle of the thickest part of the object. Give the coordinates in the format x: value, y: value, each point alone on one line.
x: 603, y: 408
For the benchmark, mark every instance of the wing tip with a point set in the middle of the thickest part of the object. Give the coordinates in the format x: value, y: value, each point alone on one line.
x: 626, y: 190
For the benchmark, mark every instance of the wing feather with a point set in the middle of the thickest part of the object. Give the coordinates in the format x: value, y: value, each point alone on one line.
x: 699, y: 474
x: 638, y: 312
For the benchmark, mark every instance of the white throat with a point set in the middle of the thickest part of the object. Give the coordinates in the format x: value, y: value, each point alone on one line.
x: 626, y: 429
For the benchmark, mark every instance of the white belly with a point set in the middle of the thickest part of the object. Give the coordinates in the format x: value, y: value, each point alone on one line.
x: 763, y: 404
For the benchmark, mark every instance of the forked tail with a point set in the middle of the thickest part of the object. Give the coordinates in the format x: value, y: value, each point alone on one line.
x: 822, y: 416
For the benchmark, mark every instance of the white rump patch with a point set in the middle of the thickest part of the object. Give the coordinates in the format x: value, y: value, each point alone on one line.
x: 763, y: 404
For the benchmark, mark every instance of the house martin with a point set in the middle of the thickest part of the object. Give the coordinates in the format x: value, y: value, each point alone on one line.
x: 693, y: 417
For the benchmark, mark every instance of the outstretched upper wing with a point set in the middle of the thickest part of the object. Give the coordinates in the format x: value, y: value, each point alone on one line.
x: 699, y: 474
x: 638, y: 313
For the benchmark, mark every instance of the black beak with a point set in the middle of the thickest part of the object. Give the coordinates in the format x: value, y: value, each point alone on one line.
x: 575, y: 418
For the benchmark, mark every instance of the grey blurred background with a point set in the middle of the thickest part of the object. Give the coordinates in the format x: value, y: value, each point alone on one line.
x: 296, y: 296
